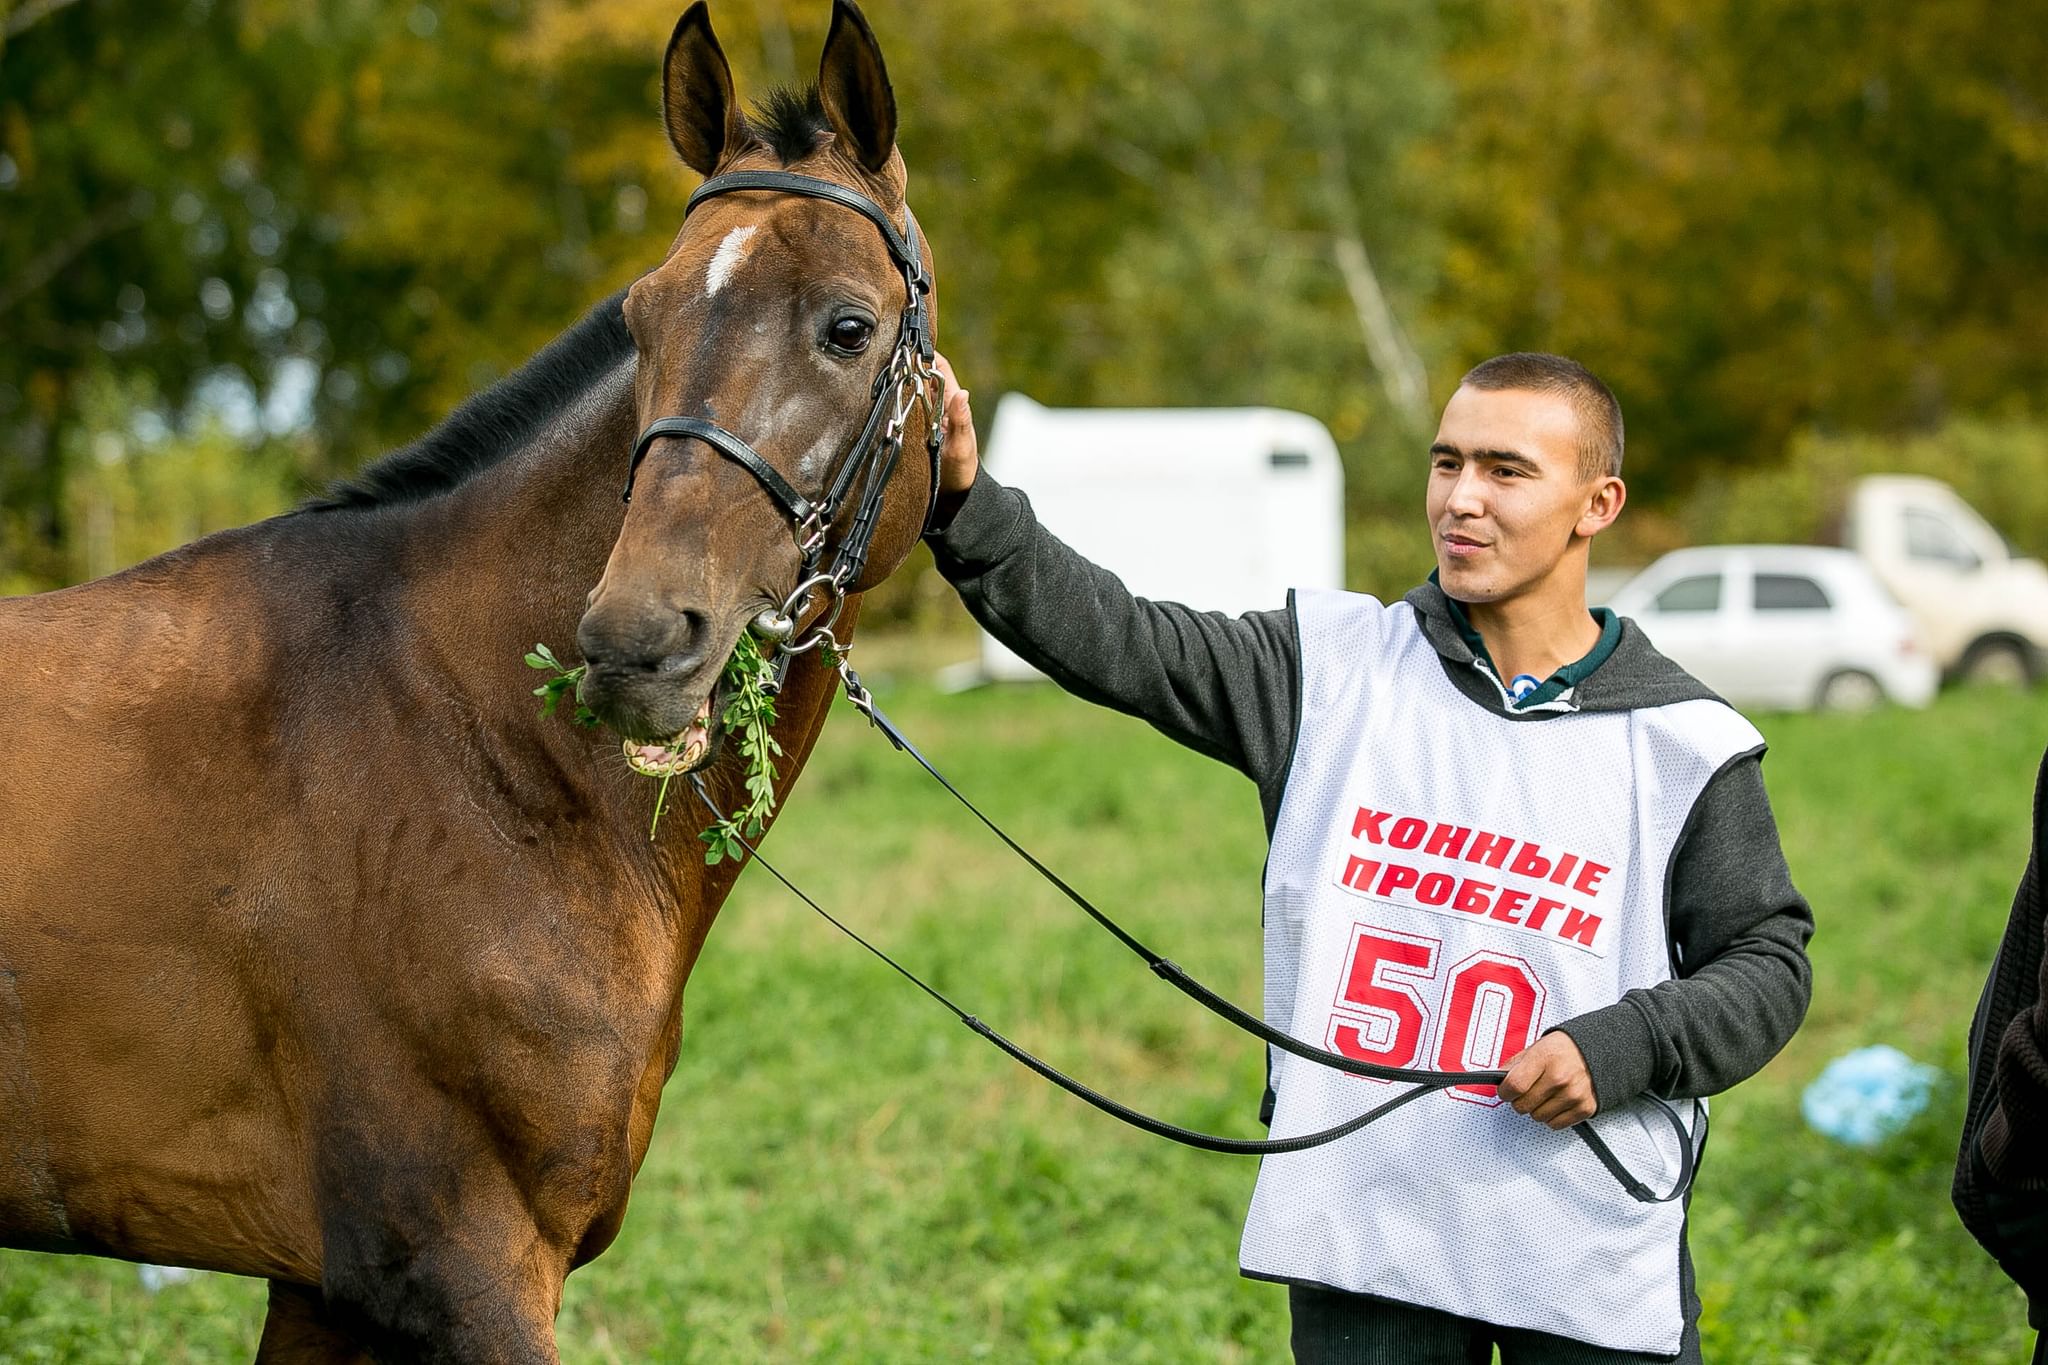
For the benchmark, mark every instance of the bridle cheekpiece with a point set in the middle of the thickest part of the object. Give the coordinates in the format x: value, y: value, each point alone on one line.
x: 862, y: 476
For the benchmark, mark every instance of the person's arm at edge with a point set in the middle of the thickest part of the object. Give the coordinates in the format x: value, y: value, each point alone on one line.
x: 1741, y: 930
x: 2010, y: 1138
x: 2010, y: 1156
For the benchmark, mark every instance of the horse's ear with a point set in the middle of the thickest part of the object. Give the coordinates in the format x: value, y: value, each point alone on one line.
x: 855, y: 88
x: 697, y: 101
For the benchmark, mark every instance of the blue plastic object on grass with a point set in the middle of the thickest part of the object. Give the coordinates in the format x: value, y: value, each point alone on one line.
x: 155, y: 1277
x: 1865, y: 1096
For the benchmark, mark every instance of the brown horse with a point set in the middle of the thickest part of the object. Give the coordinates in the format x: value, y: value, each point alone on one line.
x: 322, y: 957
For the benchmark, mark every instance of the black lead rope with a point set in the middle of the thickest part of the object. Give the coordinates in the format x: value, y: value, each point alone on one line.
x: 1187, y: 1137
x: 1172, y: 973
x: 1426, y: 1082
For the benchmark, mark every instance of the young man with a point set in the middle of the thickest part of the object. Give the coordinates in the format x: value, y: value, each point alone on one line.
x: 1504, y: 831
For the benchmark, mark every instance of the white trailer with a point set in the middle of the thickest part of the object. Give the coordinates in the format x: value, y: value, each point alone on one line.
x: 1223, y: 509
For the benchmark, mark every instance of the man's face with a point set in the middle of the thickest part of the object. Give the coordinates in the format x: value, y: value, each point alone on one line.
x: 1506, y: 498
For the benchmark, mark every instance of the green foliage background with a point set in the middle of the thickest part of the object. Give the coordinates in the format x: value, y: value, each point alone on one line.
x: 1759, y: 220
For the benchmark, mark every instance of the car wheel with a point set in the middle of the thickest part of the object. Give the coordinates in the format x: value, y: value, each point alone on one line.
x: 2000, y: 663
x: 1850, y: 690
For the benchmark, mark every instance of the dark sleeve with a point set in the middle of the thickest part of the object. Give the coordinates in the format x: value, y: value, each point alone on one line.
x: 1742, y: 984
x: 2001, y: 1182
x: 1222, y: 685
x: 2011, y: 1138
x: 2022, y: 1107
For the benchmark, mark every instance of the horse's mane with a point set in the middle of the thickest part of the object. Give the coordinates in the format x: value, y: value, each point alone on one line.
x: 504, y: 417
x: 494, y: 423
x: 790, y: 121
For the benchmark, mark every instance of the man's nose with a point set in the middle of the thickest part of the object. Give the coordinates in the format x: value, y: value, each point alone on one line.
x: 1468, y: 495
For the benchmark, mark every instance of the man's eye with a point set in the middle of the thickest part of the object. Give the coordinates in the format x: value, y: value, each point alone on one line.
x: 852, y: 334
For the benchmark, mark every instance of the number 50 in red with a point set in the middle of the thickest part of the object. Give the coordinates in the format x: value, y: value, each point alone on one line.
x: 1489, y: 1007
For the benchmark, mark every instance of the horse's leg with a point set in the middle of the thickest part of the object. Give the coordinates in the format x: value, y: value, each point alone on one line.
x: 454, y: 1308
x: 296, y: 1331
x: 468, y: 1281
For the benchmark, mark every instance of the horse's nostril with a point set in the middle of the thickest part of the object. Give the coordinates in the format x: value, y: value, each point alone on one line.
x: 642, y: 642
x: 689, y: 632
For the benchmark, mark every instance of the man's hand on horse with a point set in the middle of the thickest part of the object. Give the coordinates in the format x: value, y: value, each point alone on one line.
x: 961, y: 458
x: 1549, y: 1082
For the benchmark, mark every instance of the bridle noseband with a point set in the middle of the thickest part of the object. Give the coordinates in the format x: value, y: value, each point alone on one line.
x: 908, y: 378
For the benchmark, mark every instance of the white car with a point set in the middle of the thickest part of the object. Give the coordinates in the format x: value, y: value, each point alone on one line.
x: 1783, y: 627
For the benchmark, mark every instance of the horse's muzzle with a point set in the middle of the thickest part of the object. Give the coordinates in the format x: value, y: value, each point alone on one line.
x: 647, y: 670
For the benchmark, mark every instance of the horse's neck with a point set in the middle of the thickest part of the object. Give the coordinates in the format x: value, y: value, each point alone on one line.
x: 504, y: 562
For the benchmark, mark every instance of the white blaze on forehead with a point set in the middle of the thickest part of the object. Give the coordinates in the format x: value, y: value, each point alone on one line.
x: 727, y: 258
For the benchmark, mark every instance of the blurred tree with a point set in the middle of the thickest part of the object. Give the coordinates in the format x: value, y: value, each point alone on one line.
x: 351, y: 214
x: 1752, y: 217
x: 135, y: 485
x: 161, y: 173
x: 1127, y: 206
x: 1153, y: 208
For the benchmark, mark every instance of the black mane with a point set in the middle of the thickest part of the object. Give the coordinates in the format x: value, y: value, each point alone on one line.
x: 494, y: 423
x: 789, y: 122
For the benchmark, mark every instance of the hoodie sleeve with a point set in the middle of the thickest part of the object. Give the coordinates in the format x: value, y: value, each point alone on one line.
x: 1743, y: 982
x: 2010, y: 1139
x: 1224, y: 686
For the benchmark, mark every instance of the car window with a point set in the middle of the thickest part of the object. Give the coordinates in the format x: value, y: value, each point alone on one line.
x: 1789, y: 592
x: 1932, y: 539
x: 1702, y: 592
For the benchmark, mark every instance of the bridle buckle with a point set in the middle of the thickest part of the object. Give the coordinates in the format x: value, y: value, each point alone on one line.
x: 810, y: 536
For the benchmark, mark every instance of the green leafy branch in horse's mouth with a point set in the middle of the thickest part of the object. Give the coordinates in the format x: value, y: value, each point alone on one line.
x: 561, y: 684
x: 749, y: 714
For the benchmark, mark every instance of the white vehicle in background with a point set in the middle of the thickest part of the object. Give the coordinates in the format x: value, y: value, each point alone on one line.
x: 1982, y: 608
x: 1782, y: 627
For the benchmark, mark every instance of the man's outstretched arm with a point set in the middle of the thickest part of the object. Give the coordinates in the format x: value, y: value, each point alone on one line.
x: 1224, y: 686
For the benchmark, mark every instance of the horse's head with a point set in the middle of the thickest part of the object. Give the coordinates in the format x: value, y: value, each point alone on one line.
x: 775, y: 320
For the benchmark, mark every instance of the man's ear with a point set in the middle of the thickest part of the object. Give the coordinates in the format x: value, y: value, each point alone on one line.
x: 1608, y: 495
x: 697, y: 103
x: 854, y: 86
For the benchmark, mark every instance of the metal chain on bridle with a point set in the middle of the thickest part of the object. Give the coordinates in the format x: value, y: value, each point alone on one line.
x: 910, y: 378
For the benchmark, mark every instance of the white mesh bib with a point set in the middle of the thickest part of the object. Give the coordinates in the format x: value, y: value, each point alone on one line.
x: 1445, y: 884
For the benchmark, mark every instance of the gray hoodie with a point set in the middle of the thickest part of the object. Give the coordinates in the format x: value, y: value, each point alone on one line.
x: 1230, y: 687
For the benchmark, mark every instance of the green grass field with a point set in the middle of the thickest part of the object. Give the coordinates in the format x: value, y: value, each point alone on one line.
x: 842, y: 1173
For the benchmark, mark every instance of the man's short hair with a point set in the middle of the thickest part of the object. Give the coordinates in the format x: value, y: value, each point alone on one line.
x: 1592, y: 401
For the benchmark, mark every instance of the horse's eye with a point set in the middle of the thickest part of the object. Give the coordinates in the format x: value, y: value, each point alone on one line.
x: 852, y: 334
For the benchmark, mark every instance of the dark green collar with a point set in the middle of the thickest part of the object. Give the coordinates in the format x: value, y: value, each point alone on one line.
x: 1571, y: 675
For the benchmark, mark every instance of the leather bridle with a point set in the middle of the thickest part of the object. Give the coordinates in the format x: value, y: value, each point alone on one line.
x: 861, y: 479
